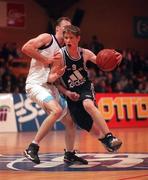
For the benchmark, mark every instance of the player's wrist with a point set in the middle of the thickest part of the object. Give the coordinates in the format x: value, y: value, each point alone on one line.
x: 67, y: 92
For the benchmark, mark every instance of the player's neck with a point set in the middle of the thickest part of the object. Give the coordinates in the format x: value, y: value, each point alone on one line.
x: 59, y: 39
x: 73, y: 52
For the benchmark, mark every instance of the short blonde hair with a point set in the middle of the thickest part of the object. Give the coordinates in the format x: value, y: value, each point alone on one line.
x: 73, y: 29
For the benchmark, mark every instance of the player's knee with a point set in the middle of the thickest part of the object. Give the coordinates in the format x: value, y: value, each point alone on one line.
x: 57, y: 111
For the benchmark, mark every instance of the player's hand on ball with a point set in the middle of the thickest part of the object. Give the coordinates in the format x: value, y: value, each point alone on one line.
x: 119, y: 57
x: 108, y: 59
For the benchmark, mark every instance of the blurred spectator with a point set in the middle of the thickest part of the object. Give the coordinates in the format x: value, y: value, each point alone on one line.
x: 2, y: 71
x: 9, y: 82
x: 118, y: 88
x: 129, y: 87
x: 146, y: 87
x: 141, y: 88
x: 102, y: 86
x: 1, y: 51
x: 13, y: 50
x: 9, y: 52
x: 5, y: 52
x: 20, y: 84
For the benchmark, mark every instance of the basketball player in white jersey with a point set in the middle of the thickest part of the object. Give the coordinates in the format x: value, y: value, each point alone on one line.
x: 41, y: 49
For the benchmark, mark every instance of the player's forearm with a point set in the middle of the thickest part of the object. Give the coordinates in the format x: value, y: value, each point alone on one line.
x: 34, y: 53
x: 62, y: 89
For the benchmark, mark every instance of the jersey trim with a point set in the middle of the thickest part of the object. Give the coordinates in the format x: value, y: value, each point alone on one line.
x: 71, y: 58
x: 57, y: 41
x: 46, y: 46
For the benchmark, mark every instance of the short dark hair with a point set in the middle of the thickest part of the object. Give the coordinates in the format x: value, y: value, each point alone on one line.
x: 59, y: 20
x: 73, y: 29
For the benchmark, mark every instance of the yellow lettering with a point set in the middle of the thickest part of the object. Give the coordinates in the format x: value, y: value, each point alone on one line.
x: 105, y: 105
x: 127, y: 101
x: 120, y: 112
x: 142, y: 107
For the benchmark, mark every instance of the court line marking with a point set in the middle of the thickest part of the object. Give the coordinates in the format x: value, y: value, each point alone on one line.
x: 134, y: 177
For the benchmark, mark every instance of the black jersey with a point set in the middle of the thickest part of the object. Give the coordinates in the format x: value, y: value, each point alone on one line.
x: 75, y: 77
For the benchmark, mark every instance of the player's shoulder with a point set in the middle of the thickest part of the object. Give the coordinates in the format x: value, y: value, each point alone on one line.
x: 88, y: 54
x: 45, y: 35
x: 45, y: 38
x: 86, y: 51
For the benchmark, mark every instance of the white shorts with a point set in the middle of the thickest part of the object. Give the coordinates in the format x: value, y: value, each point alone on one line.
x: 41, y: 94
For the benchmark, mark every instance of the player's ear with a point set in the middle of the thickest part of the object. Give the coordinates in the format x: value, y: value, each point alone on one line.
x: 57, y: 28
x: 79, y: 38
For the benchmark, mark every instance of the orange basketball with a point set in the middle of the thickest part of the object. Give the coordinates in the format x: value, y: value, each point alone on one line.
x: 108, y: 59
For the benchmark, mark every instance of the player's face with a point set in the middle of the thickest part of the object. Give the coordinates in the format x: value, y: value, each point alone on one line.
x: 61, y: 26
x: 71, y: 40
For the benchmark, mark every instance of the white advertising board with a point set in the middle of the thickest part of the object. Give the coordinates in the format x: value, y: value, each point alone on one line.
x: 7, y: 116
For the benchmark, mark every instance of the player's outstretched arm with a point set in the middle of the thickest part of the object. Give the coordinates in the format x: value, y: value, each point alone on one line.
x: 89, y: 55
x: 31, y: 48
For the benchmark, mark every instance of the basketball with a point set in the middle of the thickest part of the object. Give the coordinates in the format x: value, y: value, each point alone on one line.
x: 108, y: 59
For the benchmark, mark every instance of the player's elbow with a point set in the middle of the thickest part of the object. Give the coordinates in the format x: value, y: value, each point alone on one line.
x: 24, y: 48
x: 27, y: 47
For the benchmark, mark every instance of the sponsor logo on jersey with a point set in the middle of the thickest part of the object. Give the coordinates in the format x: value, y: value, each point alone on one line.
x: 76, y: 79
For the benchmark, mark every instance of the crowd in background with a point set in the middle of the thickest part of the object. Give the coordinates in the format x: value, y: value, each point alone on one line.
x: 9, y: 82
x: 130, y: 77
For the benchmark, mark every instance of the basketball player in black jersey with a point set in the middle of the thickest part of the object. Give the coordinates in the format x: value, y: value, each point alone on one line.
x: 75, y: 82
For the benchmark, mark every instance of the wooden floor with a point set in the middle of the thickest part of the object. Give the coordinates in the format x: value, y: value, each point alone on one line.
x: 134, y: 141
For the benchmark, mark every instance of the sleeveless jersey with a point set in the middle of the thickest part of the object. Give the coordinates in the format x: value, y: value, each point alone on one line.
x: 75, y: 77
x: 38, y: 72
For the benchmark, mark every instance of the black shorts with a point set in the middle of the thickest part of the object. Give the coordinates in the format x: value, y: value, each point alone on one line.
x: 78, y: 113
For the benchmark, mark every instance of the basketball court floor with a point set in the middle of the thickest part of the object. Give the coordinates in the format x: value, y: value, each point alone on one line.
x: 130, y: 163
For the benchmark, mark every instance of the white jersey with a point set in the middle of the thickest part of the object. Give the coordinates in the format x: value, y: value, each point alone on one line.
x: 38, y: 72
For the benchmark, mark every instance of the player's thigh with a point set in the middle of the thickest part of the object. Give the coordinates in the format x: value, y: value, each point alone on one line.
x: 43, y: 97
x: 52, y: 106
x: 88, y: 104
x: 80, y: 116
